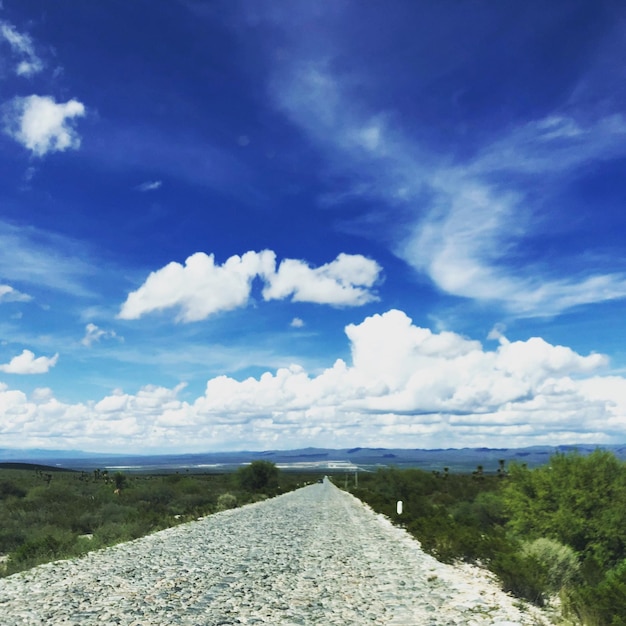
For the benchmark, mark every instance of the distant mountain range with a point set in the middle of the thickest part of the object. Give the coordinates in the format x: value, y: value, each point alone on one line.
x: 346, y: 459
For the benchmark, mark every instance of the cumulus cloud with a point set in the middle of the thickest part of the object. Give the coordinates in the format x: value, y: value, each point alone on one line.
x: 27, y: 363
x: 297, y: 322
x: 408, y: 380
x: 152, y: 185
x: 405, y: 386
x: 346, y: 281
x: 42, y: 125
x: 23, y: 48
x: 8, y: 294
x: 94, y: 334
x: 201, y: 287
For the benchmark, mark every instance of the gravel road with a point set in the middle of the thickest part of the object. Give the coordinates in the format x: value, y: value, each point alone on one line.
x: 313, y: 556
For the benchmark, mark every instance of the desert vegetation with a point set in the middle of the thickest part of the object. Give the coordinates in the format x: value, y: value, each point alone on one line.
x: 47, y: 515
x: 556, y: 533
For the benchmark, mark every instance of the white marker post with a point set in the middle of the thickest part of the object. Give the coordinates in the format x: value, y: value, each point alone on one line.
x: 399, y: 507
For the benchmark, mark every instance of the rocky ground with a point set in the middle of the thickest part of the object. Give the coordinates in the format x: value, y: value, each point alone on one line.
x: 313, y: 556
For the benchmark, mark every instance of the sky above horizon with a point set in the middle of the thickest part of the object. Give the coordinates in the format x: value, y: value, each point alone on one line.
x: 232, y: 225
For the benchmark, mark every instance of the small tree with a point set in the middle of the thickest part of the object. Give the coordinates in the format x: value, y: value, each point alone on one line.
x: 259, y: 476
x: 501, y: 468
x: 120, y: 480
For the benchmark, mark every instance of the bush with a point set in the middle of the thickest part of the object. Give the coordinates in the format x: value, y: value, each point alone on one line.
x: 226, y: 501
x: 559, y: 562
x: 8, y: 488
x: 50, y: 544
x: 112, y: 513
x: 522, y: 575
x: 259, y: 476
x: 120, y: 480
x: 579, y: 500
x: 155, y: 497
x: 11, y: 538
x: 112, y: 533
x: 603, y: 604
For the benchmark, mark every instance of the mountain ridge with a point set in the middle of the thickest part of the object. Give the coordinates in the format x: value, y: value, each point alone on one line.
x: 456, y: 459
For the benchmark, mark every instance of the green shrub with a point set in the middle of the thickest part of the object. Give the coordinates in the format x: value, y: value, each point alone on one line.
x: 11, y: 537
x: 489, y: 510
x: 120, y: 480
x: 603, y: 604
x: 226, y: 501
x: 9, y: 489
x: 50, y: 544
x: 522, y: 575
x: 259, y: 476
x: 194, y: 503
x: 155, y: 497
x: 112, y: 513
x: 559, y: 562
x: 112, y: 533
x: 578, y: 500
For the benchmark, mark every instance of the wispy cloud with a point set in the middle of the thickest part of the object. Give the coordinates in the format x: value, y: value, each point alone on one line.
x: 201, y: 288
x: 42, y: 125
x: 554, y: 144
x: 150, y: 185
x: 23, y: 48
x: 463, y: 223
x: 465, y: 241
x: 94, y: 334
x: 8, y: 294
x: 27, y: 363
x: 36, y: 257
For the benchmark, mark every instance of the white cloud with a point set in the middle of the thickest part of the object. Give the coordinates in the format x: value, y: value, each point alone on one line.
x: 553, y: 144
x: 150, y: 185
x: 42, y: 125
x: 201, y: 288
x: 46, y: 259
x: 22, y: 47
x: 497, y: 333
x: 26, y: 363
x: 404, y: 379
x: 8, y: 294
x: 346, y: 281
x: 459, y: 227
x: 93, y: 334
x: 297, y: 322
x: 405, y: 386
x: 464, y: 242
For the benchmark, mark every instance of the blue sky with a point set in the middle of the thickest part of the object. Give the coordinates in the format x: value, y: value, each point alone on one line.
x: 253, y: 225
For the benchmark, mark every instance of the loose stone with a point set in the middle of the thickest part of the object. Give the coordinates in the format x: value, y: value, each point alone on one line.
x: 312, y: 556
